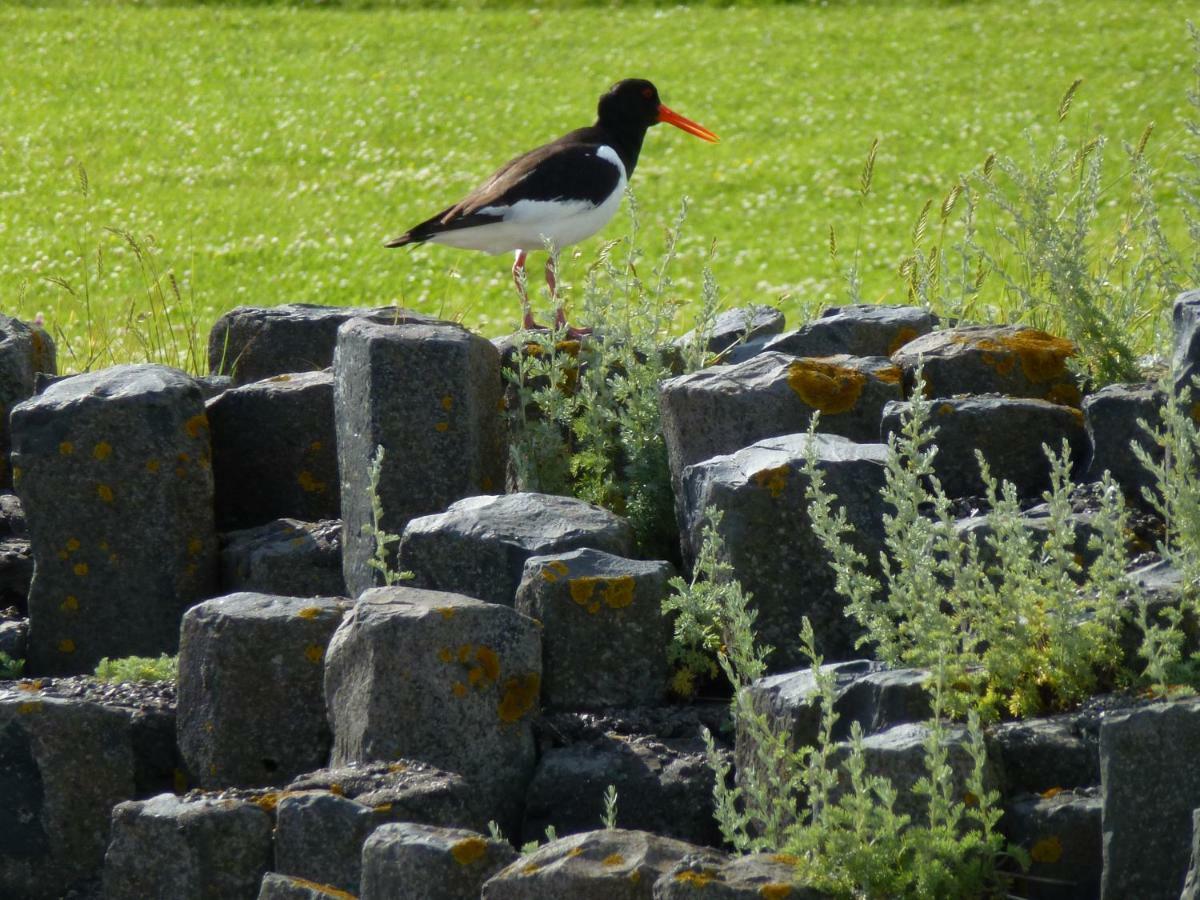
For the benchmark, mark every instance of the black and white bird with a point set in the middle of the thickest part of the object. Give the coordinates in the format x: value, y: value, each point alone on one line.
x: 558, y: 194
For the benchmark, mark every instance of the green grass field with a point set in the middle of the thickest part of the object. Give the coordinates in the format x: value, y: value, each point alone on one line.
x: 265, y: 152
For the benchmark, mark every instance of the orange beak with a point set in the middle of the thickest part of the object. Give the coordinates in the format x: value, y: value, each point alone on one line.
x: 673, y: 118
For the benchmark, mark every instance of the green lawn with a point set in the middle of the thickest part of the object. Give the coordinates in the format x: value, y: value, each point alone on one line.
x: 270, y: 150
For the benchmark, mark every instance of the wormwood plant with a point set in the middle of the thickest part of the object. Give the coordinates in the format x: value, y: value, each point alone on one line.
x: 138, y: 668
x: 381, y: 559
x: 10, y: 668
x: 1017, y: 624
x: 587, y: 417
x: 819, y: 805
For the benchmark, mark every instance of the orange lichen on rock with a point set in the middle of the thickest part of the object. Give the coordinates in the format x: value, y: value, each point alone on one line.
x: 80, y: 569
x: 66, y: 448
x: 590, y: 591
x: 468, y: 850
x: 66, y: 645
x: 314, y: 653
x: 310, y: 483
x: 1047, y: 850
x: 787, y: 859
x: 29, y: 707
x: 826, y: 386
x: 102, y: 450
x: 773, y: 479
x: 903, y: 336
x: 459, y: 689
x: 555, y: 570
x: 775, y: 891
x: 614, y: 859
x: 489, y: 661
x: 696, y: 879
x: 1065, y: 394
x: 322, y: 888
x: 309, y: 612
x: 71, y: 604
x: 447, y: 402
x: 104, y: 492
x: 196, y: 424
x: 889, y: 374
x: 520, y: 696
x: 447, y: 612
x: 1043, y: 356
x: 442, y: 426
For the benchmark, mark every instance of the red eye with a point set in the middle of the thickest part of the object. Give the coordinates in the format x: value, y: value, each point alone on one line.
x: 648, y: 93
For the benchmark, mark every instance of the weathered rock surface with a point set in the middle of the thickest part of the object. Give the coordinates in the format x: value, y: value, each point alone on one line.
x: 604, y: 637
x: 479, y: 546
x: 16, y: 573
x: 857, y: 330
x: 286, y: 557
x: 275, y: 451
x: 1052, y: 753
x: 431, y: 396
x: 169, y: 847
x: 752, y: 877
x: 438, y: 677
x: 1012, y: 360
x: 1149, y: 790
x: 1008, y: 432
x: 1111, y: 416
x: 1061, y: 832
x: 722, y: 409
x: 762, y: 494
x: 251, y: 343
x: 738, y: 325
x: 63, y: 764
x: 288, y: 887
x: 25, y: 351
x: 116, y: 481
x: 1185, y: 362
x: 598, y: 865
x: 251, y: 688
x: 407, y: 861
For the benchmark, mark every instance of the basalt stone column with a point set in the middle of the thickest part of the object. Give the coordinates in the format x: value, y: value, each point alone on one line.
x: 430, y: 395
x: 1185, y: 362
x: 113, y: 468
x: 24, y: 351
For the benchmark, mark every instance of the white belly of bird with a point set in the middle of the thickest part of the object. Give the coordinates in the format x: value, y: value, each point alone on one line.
x: 530, y: 224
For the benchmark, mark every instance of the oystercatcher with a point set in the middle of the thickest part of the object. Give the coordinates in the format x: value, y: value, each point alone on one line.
x: 558, y: 194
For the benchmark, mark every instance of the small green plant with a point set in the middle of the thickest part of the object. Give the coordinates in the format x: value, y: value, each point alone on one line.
x: 138, y: 668
x: 1020, y: 628
x: 586, y: 420
x: 381, y: 559
x: 609, y: 819
x: 10, y: 668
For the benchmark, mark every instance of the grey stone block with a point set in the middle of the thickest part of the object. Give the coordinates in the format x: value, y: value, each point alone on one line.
x: 663, y: 786
x: 13, y: 636
x: 289, y: 887
x: 1009, y: 432
x: 319, y: 837
x: 479, y: 546
x: 172, y: 848
x: 725, y: 408
x: 1061, y: 833
x: 1111, y: 415
x: 251, y: 688
x: 762, y: 493
x: 285, y: 557
x: 734, y: 326
x: 24, y: 352
x: 604, y: 636
x: 1053, y: 753
x: 116, y: 481
x: 252, y: 343
x: 1149, y: 788
x: 1012, y: 360
x: 16, y: 572
x: 598, y: 865
x: 863, y: 329
x: 441, y: 678
x: 407, y: 861
x: 1185, y: 361
x: 63, y: 764
x: 431, y: 396
x: 275, y: 451
x: 718, y: 877
x: 1191, y: 884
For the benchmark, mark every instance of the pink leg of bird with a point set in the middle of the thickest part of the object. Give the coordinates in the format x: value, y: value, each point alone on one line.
x: 518, y: 272
x: 560, y: 317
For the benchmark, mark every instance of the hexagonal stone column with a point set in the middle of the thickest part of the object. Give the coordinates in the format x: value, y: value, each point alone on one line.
x: 862, y: 329
x: 431, y: 396
x: 763, y: 494
x: 604, y: 637
x: 113, y: 468
x: 251, y: 688
x: 24, y: 351
x: 441, y: 678
x: 408, y: 861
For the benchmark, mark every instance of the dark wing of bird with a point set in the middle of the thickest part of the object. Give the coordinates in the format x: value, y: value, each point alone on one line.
x: 566, y: 168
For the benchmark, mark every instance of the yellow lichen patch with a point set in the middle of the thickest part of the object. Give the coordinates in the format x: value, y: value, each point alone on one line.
x: 70, y: 604
x: 102, y: 450
x: 395, y: 767
x: 1043, y: 357
x: 196, y: 424
x: 1047, y: 850
x: 314, y: 653
x: 446, y: 655
x: 903, y: 336
x: 468, y: 850
x: 520, y: 695
x: 773, y: 480
x: 826, y: 386
x: 615, y: 859
x: 104, y: 492
x: 63, y: 554
x: 278, y: 378
x: 945, y: 409
x: 1051, y: 793
x: 459, y: 689
x: 153, y: 465
x: 582, y: 589
x: 30, y: 687
x: 447, y: 402
x: 310, y: 483
x: 337, y: 789
x: 309, y: 612
x: 382, y: 809
x: 270, y: 800
x: 889, y: 374
x: 66, y: 645
x: 555, y: 570
x: 574, y: 851
x: 464, y: 653
x: 327, y: 889
x: 786, y: 858
x: 530, y: 868
x: 696, y: 879
x: 66, y: 448
x: 30, y: 706
x: 1065, y: 394
x: 473, y: 676
x: 635, y: 876
x: 447, y: 612
x: 776, y: 890
x: 442, y: 426
x: 80, y: 569
x: 72, y: 544
x: 489, y: 660
x: 618, y: 592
